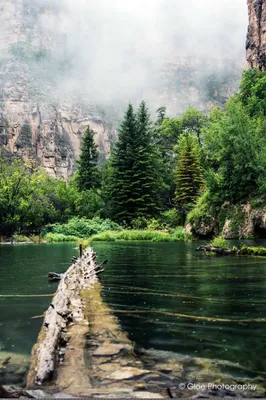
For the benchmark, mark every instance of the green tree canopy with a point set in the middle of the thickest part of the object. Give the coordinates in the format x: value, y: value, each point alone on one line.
x: 193, y: 121
x: 253, y: 92
x: 236, y: 150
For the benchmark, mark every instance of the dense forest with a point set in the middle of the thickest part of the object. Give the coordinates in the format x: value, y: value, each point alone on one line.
x: 195, y: 169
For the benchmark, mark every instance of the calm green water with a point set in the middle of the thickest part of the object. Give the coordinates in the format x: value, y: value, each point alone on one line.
x: 23, y: 272
x: 148, y: 285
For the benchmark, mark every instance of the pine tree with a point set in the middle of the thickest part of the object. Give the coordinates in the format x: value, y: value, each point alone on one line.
x: 188, y: 173
x: 146, y: 165
x: 88, y: 172
x: 133, y: 183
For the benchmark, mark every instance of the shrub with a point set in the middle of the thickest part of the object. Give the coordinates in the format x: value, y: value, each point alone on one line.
x: 219, y: 242
x: 82, y: 227
x: 202, y: 213
x: 180, y: 234
x: 139, y: 223
x: 59, y: 237
x: 21, y: 238
x: 256, y: 251
x: 171, y: 218
x: 154, y: 224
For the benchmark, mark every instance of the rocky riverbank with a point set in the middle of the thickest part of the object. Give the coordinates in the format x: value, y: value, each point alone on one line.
x: 245, y: 221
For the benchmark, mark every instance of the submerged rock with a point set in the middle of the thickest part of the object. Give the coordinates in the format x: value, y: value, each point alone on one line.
x: 127, y: 373
x: 109, y: 349
x: 13, y: 368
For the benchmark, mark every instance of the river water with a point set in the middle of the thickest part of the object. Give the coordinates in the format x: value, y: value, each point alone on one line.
x: 166, y: 296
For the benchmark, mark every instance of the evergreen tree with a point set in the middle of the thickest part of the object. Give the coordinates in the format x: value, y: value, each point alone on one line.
x: 161, y: 112
x: 133, y: 170
x: 88, y: 172
x: 146, y: 164
x: 188, y: 173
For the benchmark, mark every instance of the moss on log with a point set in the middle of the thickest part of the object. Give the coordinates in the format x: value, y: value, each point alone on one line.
x: 66, y: 308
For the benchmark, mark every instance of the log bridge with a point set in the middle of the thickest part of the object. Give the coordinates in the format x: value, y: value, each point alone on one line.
x: 82, y: 350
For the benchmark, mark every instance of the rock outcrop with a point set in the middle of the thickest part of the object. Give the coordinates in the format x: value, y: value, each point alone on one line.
x: 36, y: 120
x: 252, y: 224
x: 43, y: 117
x: 233, y: 222
x: 256, y: 37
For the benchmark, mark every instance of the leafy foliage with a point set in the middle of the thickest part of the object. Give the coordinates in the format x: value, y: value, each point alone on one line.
x: 219, y: 242
x: 235, y: 146
x: 193, y: 121
x: 81, y: 227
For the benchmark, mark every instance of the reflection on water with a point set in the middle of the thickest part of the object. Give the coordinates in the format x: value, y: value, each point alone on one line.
x: 23, y: 273
x: 170, y: 298
x: 167, y: 297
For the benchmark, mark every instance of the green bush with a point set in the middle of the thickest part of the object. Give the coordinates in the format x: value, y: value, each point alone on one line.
x: 166, y: 220
x: 82, y: 227
x: 59, y: 237
x: 171, y: 218
x: 139, y: 223
x: 219, y: 242
x: 21, y: 238
x: 203, y: 212
x: 255, y: 251
x: 180, y: 234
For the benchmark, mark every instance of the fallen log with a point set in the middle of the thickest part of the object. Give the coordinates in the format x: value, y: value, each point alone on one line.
x: 217, y: 250
x: 66, y: 308
x: 82, y: 350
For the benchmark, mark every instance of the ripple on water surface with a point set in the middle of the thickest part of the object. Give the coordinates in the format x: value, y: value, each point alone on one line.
x: 167, y: 297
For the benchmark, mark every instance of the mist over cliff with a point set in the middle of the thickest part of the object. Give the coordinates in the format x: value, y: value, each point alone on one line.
x: 65, y: 64
x: 116, y: 50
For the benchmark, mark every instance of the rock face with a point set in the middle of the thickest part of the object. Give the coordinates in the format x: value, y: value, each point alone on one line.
x: 43, y: 117
x: 35, y: 119
x: 256, y: 38
x: 198, y: 82
x: 242, y: 222
x: 252, y: 224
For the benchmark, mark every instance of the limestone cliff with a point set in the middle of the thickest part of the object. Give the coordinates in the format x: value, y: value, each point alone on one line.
x: 36, y: 120
x: 43, y: 118
x: 256, y: 38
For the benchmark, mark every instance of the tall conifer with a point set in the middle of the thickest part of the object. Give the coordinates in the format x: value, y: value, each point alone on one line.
x: 88, y: 172
x: 133, y: 182
x: 188, y: 173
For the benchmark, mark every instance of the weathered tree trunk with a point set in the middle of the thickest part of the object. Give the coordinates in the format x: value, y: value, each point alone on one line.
x: 65, y: 309
x: 82, y: 350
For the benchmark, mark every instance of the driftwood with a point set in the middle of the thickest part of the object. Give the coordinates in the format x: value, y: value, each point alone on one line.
x: 218, y: 250
x: 66, y: 308
x: 55, y: 276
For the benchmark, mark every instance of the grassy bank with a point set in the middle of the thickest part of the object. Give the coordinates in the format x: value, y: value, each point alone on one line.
x: 140, y: 235
x: 98, y: 230
x: 59, y: 238
x: 124, y: 235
